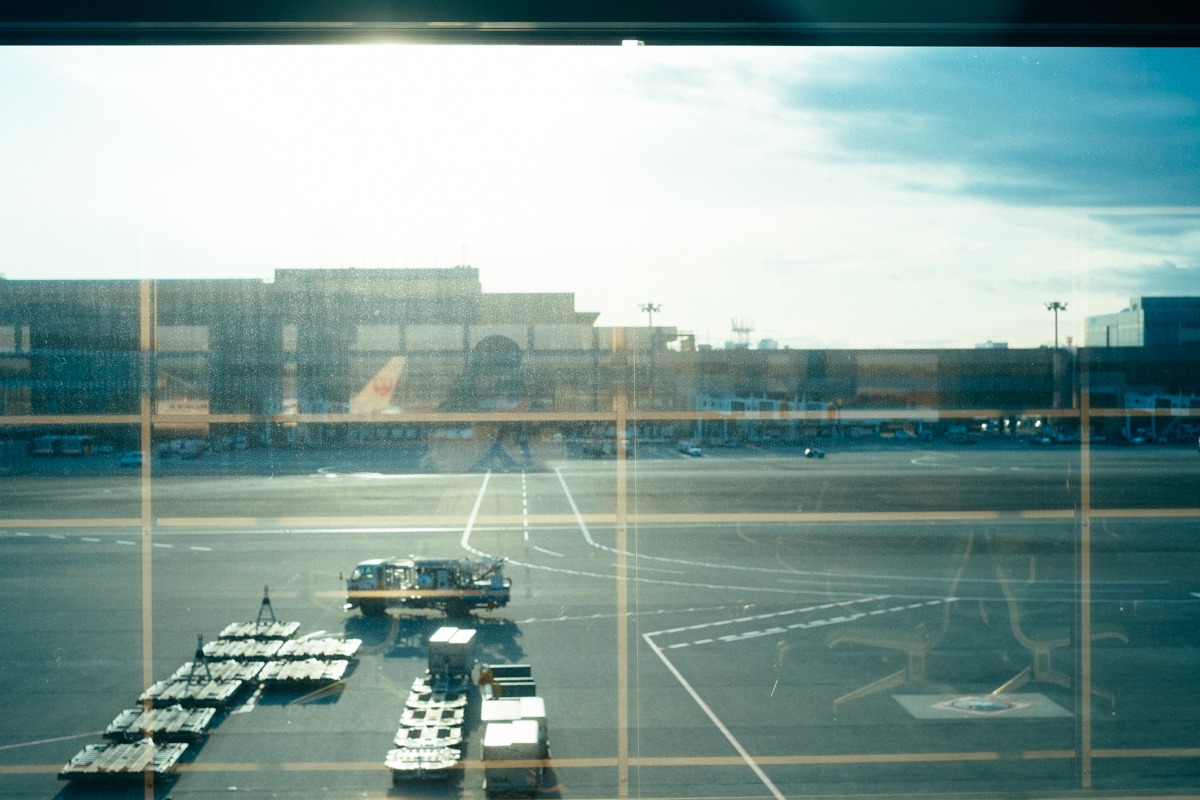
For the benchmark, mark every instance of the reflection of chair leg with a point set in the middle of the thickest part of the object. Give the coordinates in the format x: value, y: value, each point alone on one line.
x: 882, y: 685
x: 1042, y: 671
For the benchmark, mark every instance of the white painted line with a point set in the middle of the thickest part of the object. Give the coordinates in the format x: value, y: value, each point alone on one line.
x: 527, y: 536
x: 158, y: 544
x: 56, y: 536
x: 466, y: 537
x: 23, y: 533
x: 48, y: 741
x: 677, y: 646
x: 640, y: 568
x: 587, y: 535
x: 720, y: 726
x: 122, y: 541
x: 757, y: 617
x: 204, y: 549
x: 87, y: 539
x: 547, y: 552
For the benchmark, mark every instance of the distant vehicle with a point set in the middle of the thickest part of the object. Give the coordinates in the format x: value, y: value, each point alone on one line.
x: 1138, y: 440
x: 813, y: 452
x: 452, y: 585
x: 1041, y: 440
x: 47, y: 445
x: 903, y: 435
x: 132, y: 459
x: 77, y: 445
x: 690, y: 449
x: 193, y: 448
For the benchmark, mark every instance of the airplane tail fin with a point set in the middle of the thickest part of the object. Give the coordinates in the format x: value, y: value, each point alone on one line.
x: 376, y: 395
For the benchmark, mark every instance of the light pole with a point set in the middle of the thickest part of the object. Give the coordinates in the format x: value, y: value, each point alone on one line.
x: 649, y: 309
x: 1056, y: 307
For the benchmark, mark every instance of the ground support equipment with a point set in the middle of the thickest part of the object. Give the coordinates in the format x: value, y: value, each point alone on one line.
x: 318, y: 648
x: 422, y: 763
x: 113, y: 762
x: 174, y: 724
x: 313, y: 672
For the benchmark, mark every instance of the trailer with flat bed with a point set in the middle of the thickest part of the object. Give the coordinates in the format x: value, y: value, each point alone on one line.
x: 454, y: 586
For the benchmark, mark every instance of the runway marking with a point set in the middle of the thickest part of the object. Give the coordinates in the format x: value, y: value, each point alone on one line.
x: 547, y: 552
x: 160, y: 544
x: 48, y: 741
x: 685, y: 761
x: 203, y: 549
x: 88, y: 539
x: 771, y: 615
x: 819, y: 623
x: 56, y: 536
x: 630, y: 614
x: 637, y: 568
x: 122, y: 541
x: 587, y: 535
x: 524, y: 507
x: 716, y: 721
x: 466, y: 537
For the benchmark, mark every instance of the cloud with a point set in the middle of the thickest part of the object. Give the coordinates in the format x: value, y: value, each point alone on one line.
x: 1164, y: 278
x: 1025, y: 126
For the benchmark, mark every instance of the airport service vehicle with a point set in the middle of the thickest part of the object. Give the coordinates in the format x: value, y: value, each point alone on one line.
x: 132, y: 459
x: 812, y: 452
x: 452, y: 585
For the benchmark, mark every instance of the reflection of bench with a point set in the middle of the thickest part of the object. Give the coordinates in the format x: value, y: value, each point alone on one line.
x: 915, y: 642
x: 1043, y: 639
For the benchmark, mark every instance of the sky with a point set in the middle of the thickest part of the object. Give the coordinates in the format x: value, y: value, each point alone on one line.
x: 836, y: 197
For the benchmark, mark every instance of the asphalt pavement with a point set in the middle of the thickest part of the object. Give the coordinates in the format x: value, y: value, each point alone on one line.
x: 893, y: 621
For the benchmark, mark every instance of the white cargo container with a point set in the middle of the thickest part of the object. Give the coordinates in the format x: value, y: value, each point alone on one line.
x: 512, y: 759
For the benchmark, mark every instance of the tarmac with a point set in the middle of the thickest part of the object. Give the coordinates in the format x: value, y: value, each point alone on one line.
x: 867, y: 624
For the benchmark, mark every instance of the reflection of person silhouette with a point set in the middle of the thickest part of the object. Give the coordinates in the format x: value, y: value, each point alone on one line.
x: 496, y: 453
x: 494, y: 382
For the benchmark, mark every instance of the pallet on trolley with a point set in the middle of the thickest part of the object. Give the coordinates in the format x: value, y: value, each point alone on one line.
x: 174, y: 724
x: 262, y: 629
x: 122, y: 762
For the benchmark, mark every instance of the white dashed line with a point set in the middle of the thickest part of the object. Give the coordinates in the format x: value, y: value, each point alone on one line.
x: 203, y: 549
x: 817, y: 623
x: 122, y: 541
x: 56, y: 536
x: 547, y: 552
x: 156, y: 544
x: 88, y: 539
x: 524, y: 508
x: 23, y: 533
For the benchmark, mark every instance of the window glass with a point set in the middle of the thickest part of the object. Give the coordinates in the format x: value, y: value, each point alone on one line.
x: 766, y: 421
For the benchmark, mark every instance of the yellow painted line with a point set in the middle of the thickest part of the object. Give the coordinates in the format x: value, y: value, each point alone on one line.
x: 110, y: 522
x: 397, y: 593
x: 833, y: 516
x: 1128, y: 513
x: 686, y: 761
x: 372, y: 522
x: 1169, y: 752
x: 71, y: 419
x: 216, y: 767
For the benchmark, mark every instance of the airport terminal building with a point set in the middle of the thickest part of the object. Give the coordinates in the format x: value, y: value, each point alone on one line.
x: 412, y: 341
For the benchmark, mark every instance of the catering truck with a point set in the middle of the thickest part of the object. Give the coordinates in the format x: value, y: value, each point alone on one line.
x: 455, y: 586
